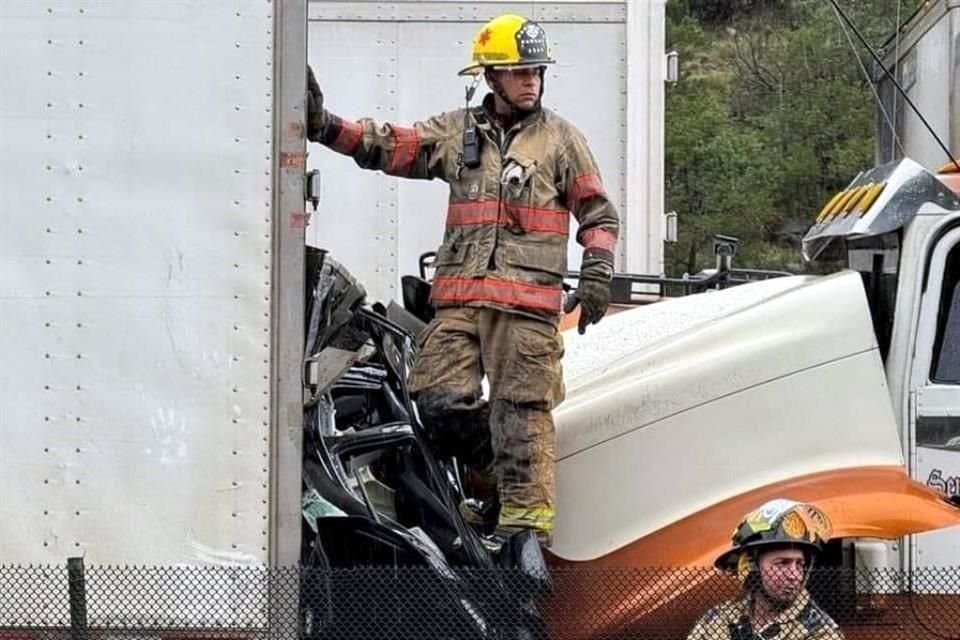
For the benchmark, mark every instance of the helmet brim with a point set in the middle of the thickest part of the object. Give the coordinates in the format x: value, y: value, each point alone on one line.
x: 477, y: 69
x: 727, y: 561
x: 472, y: 70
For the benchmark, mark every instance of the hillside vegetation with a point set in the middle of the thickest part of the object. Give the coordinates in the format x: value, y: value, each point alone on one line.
x: 772, y: 115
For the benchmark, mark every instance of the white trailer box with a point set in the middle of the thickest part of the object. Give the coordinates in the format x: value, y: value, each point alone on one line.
x: 925, y: 58
x: 151, y: 275
x: 152, y: 231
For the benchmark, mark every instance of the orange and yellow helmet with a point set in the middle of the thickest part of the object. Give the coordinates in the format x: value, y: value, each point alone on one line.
x: 508, y: 42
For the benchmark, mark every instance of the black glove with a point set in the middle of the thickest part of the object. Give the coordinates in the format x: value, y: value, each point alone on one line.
x: 593, y: 292
x: 594, y: 297
x: 316, y: 114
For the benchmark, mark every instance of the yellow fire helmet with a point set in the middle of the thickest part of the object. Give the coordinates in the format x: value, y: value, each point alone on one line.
x: 509, y: 42
x: 777, y: 523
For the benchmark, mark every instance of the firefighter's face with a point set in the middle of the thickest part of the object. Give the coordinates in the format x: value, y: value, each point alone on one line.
x: 782, y: 573
x: 522, y: 86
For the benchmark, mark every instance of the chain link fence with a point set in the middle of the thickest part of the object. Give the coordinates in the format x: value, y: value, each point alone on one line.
x: 423, y: 603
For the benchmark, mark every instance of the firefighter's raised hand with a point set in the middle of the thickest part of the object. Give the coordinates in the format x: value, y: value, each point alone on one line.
x: 316, y: 115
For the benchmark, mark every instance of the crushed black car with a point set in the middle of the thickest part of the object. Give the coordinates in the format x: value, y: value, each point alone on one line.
x: 377, y: 493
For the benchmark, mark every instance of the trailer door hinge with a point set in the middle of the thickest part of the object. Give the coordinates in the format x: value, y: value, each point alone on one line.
x: 311, y: 188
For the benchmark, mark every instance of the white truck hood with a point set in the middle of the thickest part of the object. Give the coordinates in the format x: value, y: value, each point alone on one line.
x: 676, y: 406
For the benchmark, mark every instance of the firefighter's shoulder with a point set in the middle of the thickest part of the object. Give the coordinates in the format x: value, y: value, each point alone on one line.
x: 729, y: 611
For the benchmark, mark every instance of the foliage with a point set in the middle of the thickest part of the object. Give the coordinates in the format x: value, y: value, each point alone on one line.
x: 771, y: 116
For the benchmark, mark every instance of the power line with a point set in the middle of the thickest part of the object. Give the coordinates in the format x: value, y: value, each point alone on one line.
x: 873, y: 86
x: 903, y: 93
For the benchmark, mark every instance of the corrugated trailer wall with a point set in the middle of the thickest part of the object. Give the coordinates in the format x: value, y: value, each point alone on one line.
x: 926, y: 60
x: 142, y: 255
x: 398, y: 61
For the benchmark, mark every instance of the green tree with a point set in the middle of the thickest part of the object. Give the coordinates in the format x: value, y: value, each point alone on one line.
x: 771, y: 117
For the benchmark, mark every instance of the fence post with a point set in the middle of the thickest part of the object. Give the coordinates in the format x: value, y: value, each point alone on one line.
x: 78, y: 599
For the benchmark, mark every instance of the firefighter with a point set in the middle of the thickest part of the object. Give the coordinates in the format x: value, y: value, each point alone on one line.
x: 772, y: 554
x: 516, y: 173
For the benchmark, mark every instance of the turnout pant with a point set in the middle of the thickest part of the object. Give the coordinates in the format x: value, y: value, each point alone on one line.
x: 514, y: 433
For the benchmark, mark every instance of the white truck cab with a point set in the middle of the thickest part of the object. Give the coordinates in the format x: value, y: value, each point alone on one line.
x: 900, y: 225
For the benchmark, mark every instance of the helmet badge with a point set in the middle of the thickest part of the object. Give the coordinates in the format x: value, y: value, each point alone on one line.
x: 794, y: 526
x: 532, y: 41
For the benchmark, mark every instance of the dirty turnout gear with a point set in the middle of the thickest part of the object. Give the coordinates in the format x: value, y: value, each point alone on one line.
x: 521, y: 358
x: 498, y: 273
x: 508, y: 219
x: 803, y: 620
